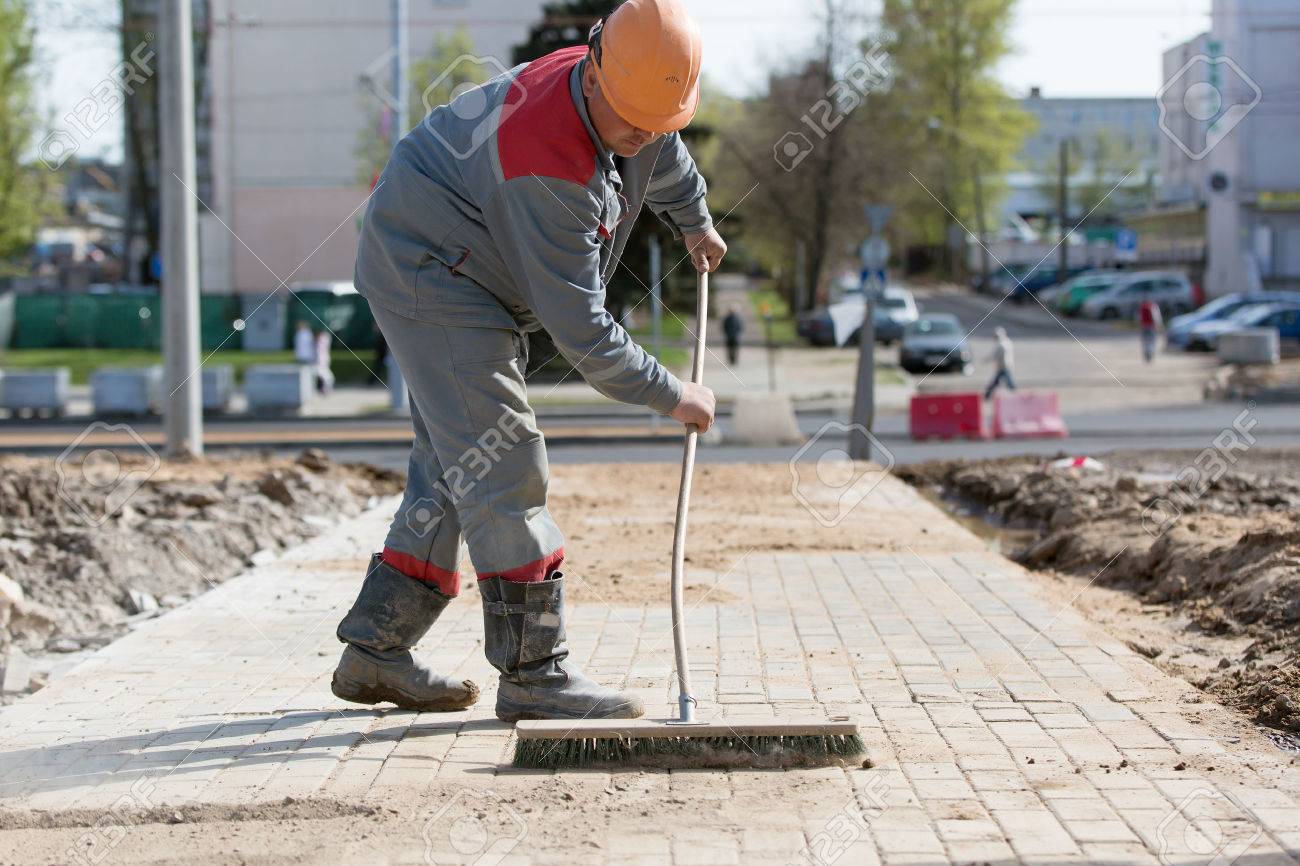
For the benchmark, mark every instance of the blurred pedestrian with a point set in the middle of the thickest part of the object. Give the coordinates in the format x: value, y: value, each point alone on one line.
x: 1152, y: 324
x: 324, y: 375
x: 1004, y: 356
x: 732, y: 327
x: 304, y: 345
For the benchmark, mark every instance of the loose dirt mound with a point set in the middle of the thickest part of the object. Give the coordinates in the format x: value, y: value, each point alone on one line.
x: 96, y: 542
x: 1221, y: 548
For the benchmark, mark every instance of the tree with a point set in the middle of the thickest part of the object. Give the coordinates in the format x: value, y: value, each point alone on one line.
x: 22, y: 187
x: 804, y: 157
x: 1107, y: 175
x: 958, y: 117
x: 562, y: 25
x: 433, y: 82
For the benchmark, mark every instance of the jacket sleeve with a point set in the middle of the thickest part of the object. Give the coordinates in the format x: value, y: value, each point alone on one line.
x: 676, y: 192
x: 546, y: 230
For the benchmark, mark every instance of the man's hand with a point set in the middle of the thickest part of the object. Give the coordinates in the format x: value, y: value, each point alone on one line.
x: 707, y: 250
x: 696, y: 406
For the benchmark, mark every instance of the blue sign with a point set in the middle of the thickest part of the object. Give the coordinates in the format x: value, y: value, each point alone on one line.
x: 1126, y: 241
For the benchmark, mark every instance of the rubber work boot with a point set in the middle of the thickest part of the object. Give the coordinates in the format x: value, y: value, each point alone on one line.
x: 523, y: 629
x: 390, y: 615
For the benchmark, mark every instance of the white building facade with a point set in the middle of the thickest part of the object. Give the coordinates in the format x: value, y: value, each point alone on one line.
x: 1230, y: 112
x: 287, y: 110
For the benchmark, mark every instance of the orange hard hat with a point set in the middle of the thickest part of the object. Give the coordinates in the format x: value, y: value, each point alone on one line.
x: 648, y: 64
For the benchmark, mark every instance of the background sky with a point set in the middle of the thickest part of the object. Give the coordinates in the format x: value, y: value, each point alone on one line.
x: 1067, y: 47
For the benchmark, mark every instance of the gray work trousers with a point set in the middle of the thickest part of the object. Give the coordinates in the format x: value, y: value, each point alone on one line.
x: 478, y: 464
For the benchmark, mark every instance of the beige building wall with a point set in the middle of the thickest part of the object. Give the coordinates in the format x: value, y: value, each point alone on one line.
x: 288, y: 108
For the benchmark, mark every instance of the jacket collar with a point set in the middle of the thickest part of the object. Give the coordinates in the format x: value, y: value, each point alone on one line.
x: 580, y: 103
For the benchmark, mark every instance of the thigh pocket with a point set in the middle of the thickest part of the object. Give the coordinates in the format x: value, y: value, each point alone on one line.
x: 482, y: 347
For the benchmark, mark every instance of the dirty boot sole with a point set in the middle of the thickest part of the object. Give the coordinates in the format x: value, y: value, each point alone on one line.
x: 508, y: 711
x: 379, y: 694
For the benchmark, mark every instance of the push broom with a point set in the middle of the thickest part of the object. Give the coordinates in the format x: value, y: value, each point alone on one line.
x: 686, y: 740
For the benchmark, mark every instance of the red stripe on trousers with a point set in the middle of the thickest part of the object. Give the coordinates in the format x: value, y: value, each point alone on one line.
x: 531, y: 572
x: 447, y: 582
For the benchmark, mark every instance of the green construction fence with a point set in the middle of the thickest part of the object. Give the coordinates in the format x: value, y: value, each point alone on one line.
x: 134, y: 321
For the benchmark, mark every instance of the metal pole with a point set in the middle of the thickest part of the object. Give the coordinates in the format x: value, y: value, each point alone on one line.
x: 656, y: 308
x: 1063, y: 206
x: 401, y: 58
x: 397, y: 398
x: 864, y: 393
x: 183, y: 421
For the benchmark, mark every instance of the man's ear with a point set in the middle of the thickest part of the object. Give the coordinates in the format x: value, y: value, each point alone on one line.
x: 589, y: 83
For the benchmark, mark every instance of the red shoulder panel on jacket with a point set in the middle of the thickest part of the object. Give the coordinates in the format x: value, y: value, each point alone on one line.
x: 543, y: 134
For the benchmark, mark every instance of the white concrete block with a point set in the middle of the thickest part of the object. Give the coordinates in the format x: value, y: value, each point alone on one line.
x: 1250, y: 346
x: 127, y: 390
x: 41, y: 390
x: 278, y: 387
x: 764, y: 419
x: 218, y: 386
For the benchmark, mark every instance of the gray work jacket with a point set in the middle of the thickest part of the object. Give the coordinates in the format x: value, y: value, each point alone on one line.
x: 504, y: 210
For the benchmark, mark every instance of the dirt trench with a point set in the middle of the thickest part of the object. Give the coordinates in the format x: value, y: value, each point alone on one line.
x: 90, y: 547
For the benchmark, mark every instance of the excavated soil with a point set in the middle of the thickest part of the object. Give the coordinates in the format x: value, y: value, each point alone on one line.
x: 94, y: 545
x: 1212, y: 556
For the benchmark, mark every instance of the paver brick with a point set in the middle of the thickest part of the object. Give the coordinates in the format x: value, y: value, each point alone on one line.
x: 996, y: 722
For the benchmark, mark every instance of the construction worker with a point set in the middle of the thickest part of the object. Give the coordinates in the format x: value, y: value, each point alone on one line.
x: 506, y: 211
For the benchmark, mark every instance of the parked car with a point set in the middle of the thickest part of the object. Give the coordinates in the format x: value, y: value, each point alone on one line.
x: 1180, y: 328
x: 1020, y: 281
x: 1076, y: 290
x: 1170, y: 289
x: 840, y: 323
x: 935, y: 344
x: 1284, y: 317
x: 895, y: 309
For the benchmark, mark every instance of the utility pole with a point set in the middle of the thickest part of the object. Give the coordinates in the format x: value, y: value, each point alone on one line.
x: 1063, y: 207
x: 397, y: 399
x: 864, y: 393
x: 180, y: 238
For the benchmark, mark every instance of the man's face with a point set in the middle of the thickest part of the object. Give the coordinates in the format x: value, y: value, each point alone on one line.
x: 617, y: 134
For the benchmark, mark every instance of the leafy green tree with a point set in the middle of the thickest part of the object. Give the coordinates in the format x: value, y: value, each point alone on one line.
x: 562, y: 25
x: 951, y: 111
x: 1108, y: 175
x: 805, y: 156
x: 375, y: 141
x: 22, y: 186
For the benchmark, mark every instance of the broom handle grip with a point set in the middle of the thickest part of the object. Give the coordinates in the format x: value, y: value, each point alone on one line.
x: 686, y: 700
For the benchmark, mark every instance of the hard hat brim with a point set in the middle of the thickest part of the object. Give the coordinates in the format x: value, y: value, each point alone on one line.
x: 641, y: 120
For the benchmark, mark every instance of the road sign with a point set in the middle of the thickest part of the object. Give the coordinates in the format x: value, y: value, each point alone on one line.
x: 874, y: 253
x: 877, y: 216
x: 1126, y: 245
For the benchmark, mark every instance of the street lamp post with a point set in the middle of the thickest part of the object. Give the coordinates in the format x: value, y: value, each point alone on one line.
x: 183, y: 422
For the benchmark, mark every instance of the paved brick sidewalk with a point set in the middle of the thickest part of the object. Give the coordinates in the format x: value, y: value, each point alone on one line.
x: 1001, y: 727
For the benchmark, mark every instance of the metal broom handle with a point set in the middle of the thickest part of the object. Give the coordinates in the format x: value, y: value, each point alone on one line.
x: 685, y: 700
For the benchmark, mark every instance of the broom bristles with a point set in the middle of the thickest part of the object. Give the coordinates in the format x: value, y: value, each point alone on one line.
x: 701, y: 751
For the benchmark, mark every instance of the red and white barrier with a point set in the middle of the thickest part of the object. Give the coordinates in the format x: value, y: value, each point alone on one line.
x: 947, y: 416
x: 1028, y: 415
